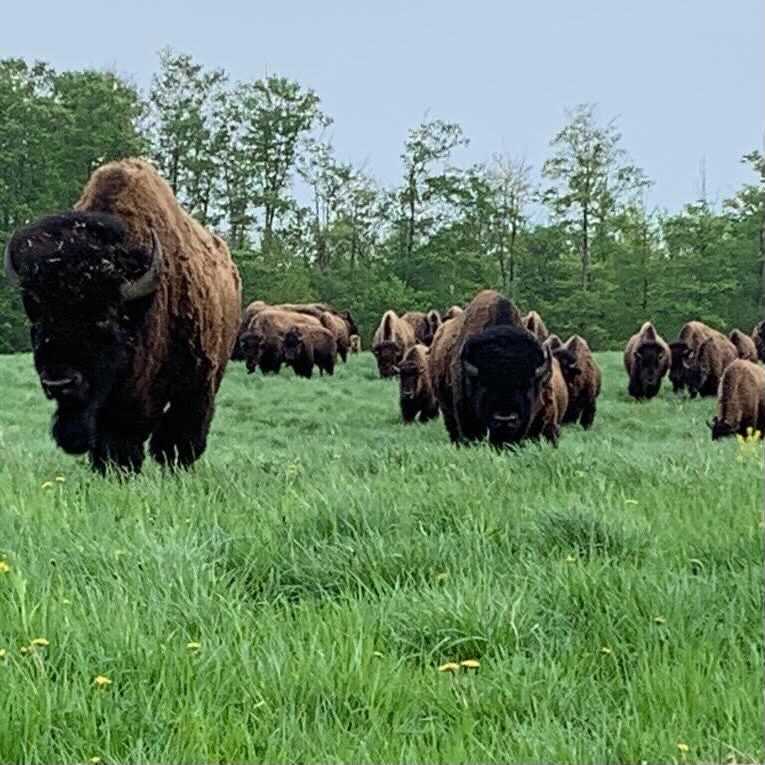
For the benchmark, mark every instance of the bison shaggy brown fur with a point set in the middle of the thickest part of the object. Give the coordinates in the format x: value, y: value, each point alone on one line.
x: 534, y: 324
x: 744, y: 344
x: 339, y: 330
x: 434, y: 322
x: 307, y: 345
x: 418, y: 321
x: 392, y: 339
x: 453, y: 312
x: 703, y: 369
x: 134, y: 308
x: 647, y: 360
x: 758, y: 336
x: 554, y: 342
x: 740, y: 400
x: 692, y: 335
x: 416, y: 394
x: 583, y: 379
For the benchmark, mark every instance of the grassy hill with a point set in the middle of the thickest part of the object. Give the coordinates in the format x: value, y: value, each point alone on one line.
x: 293, y: 597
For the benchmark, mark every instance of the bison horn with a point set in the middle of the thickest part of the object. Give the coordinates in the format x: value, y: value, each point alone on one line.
x: 149, y: 282
x: 470, y: 369
x: 544, y: 372
x: 10, y: 269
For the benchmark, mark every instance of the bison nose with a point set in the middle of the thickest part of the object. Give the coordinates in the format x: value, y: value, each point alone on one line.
x: 62, y: 386
x: 507, y: 420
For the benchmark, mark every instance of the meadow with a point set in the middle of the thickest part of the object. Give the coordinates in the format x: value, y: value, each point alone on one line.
x: 296, y: 596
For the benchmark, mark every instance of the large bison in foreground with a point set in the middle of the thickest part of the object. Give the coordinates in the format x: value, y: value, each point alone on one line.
x: 740, y: 400
x: 134, y: 309
x: 493, y: 377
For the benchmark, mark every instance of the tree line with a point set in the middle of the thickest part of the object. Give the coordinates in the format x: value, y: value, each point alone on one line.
x: 572, y: 239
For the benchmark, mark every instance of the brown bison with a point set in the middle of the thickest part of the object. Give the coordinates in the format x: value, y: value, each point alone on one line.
x: 453, y: 313
x: 415, y: 390
x: 434, y: 322
x: 703, y: 369
x: 554, y: 342
x: 534, y: 324
x: 647, y: 360
x: 317, y: 309
x: 418, y: 321
x: 134, y: 309
x: 355, y: 344
x: 492, y: 376
x: 248, y: 315
x: 692, y: 335
x: 583, y: 380
x: 263, y: 341
x: 392, y: 339
x: 740, y: 400
x: 307, y: 345
x: 758, y: 336
x: 744, y: 345
x: 339, y: 330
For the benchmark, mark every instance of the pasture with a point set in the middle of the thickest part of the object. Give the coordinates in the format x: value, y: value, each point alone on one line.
x: 293, y: 597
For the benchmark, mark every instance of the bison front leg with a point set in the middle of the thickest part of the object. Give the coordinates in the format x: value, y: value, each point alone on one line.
x: 181, y: 438
x: 588, y: 416
x: 122, y: 452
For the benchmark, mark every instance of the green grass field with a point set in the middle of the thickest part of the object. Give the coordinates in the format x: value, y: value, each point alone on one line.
x: 292, y: 598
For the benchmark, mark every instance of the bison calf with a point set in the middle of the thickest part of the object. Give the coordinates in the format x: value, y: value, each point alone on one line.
x: 583, y: 380
x: 415, y: 390
x: 744, y: 345
x: 308, y: 345
x: 355, y: 344
x: 740, y: 400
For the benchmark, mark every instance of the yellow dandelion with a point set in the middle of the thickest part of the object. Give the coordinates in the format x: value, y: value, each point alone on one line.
x: 571, y: 559
x: 442, y: 577
x: 95, y: 760
x: 59, y: 479
x: 682, y: 747
x: 102, y: 681
x: 47, y: 485
x: 66, y: 602
x: 450, y: 666
x: 24, y: 649
x: 470, y: 663
x: 378, y: 654
x: 42, y: 642
x: 659, y: 620
x: 193, y: 645
x: 4, y: 567
x: 3, y: 653
x: 606, y: 650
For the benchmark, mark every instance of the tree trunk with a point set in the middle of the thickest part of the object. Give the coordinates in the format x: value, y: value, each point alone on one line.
x: 513, y: 235
x: 411, y: 220
x: 585, y: 249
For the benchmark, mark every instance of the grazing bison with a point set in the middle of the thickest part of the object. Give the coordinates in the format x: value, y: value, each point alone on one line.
x: 416, y: 392
x: 307, y: 345
x: 418, y: 321
x: 745, y: 347
x: 492, y: 376
x: 391, y: 341
x: 758, y: 336
x: 263, y: 341
x: 248, y: 314
x: 703, y: 369
x: 339, y: 330
x: 434, y: 322
x: 692, y: 335
x: 355, y: 344
x: 534, y: 324
x: 647, y: 360
x: 554, y: 342
x: 317, y: 309
x: 740, y: 400
x: 134, y: 309
x: 453, y: 312
x: 583, y: 379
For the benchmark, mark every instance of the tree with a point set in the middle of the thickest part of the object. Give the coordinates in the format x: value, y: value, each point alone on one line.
x: 591, y: 177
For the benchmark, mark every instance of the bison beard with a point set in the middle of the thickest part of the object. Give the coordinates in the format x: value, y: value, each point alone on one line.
x: 505, y: 370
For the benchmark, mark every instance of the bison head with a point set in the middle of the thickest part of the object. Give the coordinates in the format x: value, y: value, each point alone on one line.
x: 293, y: 345
x: 388, y: 355
x: 567, y: 361
x: 696, y: 369
x: 649, y: 366
x: 251, y: 344
x: 720, y: 429
x: 410, y: 377
x: 353, y: 328
x: 86, y: 291
x: 505, y: 370
x: 679, y: 350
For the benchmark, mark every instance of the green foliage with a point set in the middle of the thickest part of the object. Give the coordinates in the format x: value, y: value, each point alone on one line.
x: 292, y: 598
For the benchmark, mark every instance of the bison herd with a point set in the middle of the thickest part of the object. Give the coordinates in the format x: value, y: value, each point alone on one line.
x: 135, y: 310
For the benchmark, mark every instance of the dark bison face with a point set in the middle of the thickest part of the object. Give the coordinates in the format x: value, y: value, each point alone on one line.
x: 293, y: 346
x: 650, y: 365
x: 505, y: 370
x: 567, y: 361
x: 350, y: 323
x: 409, y: 380
x: 695, y: 370
x: 388, y: 355
x: 678, y: 351
x: 86, y: 294
x: 251, y: 346
x: 759, y: 339
x: 720, y: 429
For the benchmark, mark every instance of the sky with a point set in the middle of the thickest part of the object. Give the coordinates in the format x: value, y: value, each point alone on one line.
x: 685, y: 79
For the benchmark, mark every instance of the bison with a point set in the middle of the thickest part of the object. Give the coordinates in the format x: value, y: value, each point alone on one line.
x: 307, y: 345
x: 744, y: 345
x: 355, y: 344
x: 534, y: 324
x: 434, y: 322
x: 554, y: 342
x: 703, y: 369
x: 418, y: 321
x: 391, y: 341
x: 583, y: 380
x: 317, y: 309
x: 647, y: 360
x: 740, y: 400
x: 415, y: 390
x: 339, y: 330
x: 758, y: 336
x: 134, y: 309
x: 692, y: 335
x: 492, y: 376
x: 453, y: 313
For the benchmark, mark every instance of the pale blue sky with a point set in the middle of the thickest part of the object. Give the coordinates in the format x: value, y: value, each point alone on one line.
x: 686, y: 78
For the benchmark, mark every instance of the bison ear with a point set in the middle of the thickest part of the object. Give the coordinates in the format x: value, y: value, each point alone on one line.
x: 149, y: 282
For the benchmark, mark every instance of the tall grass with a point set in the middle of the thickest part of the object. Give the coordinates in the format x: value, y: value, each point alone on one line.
x: 292, y: 598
